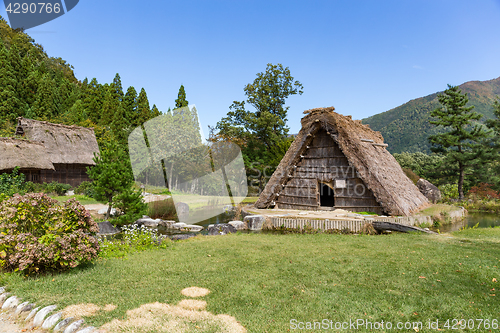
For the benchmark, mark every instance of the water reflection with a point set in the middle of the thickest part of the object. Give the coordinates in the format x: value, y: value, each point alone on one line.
x: 483, y: 220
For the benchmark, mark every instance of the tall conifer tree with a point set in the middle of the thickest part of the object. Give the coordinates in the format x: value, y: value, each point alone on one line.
x: 460, y: 145
x: 181, y: 100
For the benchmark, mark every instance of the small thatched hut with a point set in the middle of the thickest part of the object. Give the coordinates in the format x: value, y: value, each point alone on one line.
x: 335, y: 162
x: 30, y: 157
x: 70, y: 149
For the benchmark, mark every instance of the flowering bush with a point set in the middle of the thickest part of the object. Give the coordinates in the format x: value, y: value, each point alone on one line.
x: 38, y: 234
x: 135, y: 238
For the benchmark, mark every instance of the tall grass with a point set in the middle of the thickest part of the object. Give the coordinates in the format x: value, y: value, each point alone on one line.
x: 164, y: 209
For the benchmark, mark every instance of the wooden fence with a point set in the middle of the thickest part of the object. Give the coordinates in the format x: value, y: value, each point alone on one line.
x: 352, y: 225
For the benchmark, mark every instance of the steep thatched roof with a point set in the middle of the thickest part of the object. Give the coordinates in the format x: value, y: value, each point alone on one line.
x: 24, y: 154
x: 64, y: 144
x: 365, y: 150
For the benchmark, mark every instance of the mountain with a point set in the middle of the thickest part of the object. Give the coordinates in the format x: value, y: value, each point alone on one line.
x: 407, y: 127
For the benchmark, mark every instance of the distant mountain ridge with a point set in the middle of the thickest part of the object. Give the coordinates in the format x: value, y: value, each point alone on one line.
x: 407, y: 127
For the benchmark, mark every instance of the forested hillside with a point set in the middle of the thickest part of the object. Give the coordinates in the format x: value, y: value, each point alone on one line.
x: 407, y: 127
x: 36, y: 86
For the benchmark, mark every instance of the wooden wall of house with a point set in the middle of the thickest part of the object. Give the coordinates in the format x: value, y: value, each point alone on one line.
x: 323, y: 161
x: 73, y: 174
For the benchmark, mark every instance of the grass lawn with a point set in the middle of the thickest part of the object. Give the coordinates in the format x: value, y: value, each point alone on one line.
x: 84, y: 200
x: 266, y: 280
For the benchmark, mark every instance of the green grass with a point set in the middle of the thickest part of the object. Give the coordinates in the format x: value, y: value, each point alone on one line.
x: 84, y: 200
x: 265, y: 280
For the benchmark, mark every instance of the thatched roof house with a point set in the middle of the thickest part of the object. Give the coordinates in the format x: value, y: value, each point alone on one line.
x: 27, y: 155
x: 335, y: 162
x: 69, y: 149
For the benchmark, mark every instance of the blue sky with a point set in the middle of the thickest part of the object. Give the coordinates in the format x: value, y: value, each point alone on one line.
x: 363, y: 57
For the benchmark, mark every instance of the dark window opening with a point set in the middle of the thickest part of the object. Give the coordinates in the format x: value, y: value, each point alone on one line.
x: 326, y: 195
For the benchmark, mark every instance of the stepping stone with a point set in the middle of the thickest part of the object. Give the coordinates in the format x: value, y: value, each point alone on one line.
x: 40, y: 316
x: 52, y: 320
x: 87, y: 330
x: 3, y: 297
x: 20, y: 308
x: 63, y: 324
x: 11, y: 302
x: 73, y: 327
x: 32, y: 314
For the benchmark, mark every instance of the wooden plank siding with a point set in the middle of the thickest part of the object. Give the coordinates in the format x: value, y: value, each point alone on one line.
x: 322, y: 161
x: 73, y: 174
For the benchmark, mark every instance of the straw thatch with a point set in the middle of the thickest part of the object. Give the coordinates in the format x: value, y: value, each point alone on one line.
x: 360, y: 147
x: 24, y: 154
x: 64, y: 144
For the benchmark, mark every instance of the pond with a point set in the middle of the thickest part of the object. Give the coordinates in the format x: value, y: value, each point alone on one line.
x: 483, y: 220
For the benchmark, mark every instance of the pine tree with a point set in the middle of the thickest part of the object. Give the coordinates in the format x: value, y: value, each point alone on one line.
x: 155, y: 112
x: 93, y: 100
x: 117, y: 87
x: 130, y: 106
x: 143, y: 110
x: 112, y: 174
x: 181, y: 98
x: 460, y: 145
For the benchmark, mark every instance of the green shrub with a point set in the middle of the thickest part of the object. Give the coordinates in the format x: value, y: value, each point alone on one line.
x: 35, y: 187
x: 449, y: 191
x: 12, y: 183
x: 57, y: 188
x: 37, y: 234
x: 86, y: 188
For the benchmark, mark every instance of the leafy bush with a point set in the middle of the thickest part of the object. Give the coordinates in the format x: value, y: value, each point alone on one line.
x: 449, y: 191
x: 12, y: 183
x: 86, y: 188
x: 49, y: 188
x: 57, y: 188
x: 484, y: 191
x: 37, y: 234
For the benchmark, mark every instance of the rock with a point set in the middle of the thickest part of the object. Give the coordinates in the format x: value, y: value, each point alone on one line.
x: 430, y: 191
x: 178, y: 225
x: 2, y: 290
x: 105, y: 210
x: 11, y: 302
x: 254, y: 222
x: 192, y: 228
x: 63, y: 324
x: 3, y: 297
x: 221, y: 229
x: 239, y: 225
x: 228, y: 209
x: 181, y: 236
x: 31, y: 314
x: 40, y: 316
x: 52, y: 320
x: 106, y: 228
x: 74, y: 326
x: 23, y: 307
x: 87, y: 330
x: 166, y: 224
x: 70, y: 193
x: 182, y: 210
